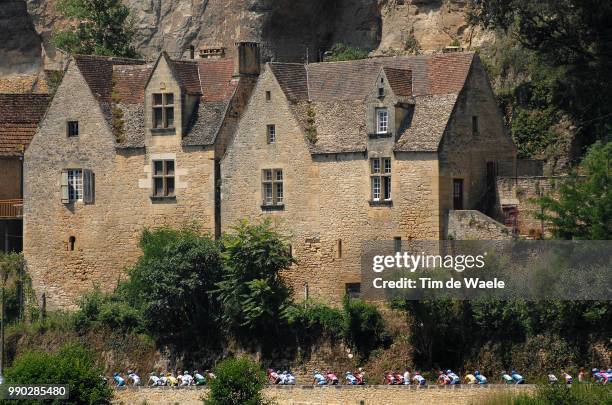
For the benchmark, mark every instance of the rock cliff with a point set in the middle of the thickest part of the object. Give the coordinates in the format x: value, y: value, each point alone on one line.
x: 288, y: 30
x: 20, y: 45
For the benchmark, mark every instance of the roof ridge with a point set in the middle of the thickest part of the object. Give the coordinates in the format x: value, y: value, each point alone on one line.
x: 116, y: 58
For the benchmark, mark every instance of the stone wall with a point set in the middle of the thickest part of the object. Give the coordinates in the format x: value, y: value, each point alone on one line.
x: 474, y: 225
x: 333, y: 395
x: 327, y: 213
x: 464, y: 153
x: 106, y: 231
x: 517, y: 194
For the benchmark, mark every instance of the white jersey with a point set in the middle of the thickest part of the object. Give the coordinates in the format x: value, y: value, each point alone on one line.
x: 135, y: 379
x: 154, y: 379
x: 187, y: 379
x: 407, y: 378
x: 290, y: 379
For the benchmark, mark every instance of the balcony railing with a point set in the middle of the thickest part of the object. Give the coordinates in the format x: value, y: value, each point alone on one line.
x: 11, y: 208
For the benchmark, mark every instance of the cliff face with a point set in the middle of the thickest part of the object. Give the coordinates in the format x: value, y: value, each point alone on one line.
x: 288, y: 30
x: 20, y: 46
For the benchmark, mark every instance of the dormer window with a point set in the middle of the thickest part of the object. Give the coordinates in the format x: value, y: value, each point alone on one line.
x: 381, y: 88
x: 163, y: 110
x: 382, y: 121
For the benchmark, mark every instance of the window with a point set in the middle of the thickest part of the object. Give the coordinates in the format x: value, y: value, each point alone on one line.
x: 163, y: 178
x: 268, y: 95
x: 475, y: 125
x: 382, y: 120
x: 71, y: 243
x: 163, y: 110
x: 397, y: 243
x: 272, y: 187
x: 75, y: 185
x: 72, y: 128
x: 380, y: 169
x: 339, y: 249
x: 353, y: 290
x: 381, y: 88
x: 271, y: 131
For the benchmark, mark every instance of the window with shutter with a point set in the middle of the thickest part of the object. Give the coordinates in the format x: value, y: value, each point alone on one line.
x: 64, y: 187
x: 88, y: 186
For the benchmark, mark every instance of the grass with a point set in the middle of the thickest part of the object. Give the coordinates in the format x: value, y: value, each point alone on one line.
x: 577, y: 394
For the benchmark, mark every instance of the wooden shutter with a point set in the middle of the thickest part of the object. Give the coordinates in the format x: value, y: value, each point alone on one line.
x: 88, y: 186
x: 64, y: 187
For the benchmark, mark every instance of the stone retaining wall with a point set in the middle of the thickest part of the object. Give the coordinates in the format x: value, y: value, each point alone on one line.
x: 331, y: 395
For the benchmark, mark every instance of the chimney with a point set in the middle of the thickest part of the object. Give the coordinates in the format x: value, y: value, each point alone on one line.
x: 212, y: 52
x: 247, y: 60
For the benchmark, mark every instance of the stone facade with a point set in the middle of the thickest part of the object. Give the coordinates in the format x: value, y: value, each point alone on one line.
x: 516, y: 197
x: 73, y: 246
x: 328, y: 210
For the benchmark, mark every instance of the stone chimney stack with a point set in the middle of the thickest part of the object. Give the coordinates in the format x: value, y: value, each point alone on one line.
x: 247, y: 60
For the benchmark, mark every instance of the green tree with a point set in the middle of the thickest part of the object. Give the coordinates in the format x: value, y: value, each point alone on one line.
x: 570, y: 35
x: 171, y: 284
x: 364, y: 326
x: 251, y: 293
x: 583, y: 209
x: 71, y: 365
x: 341, y: 52
x: 239, y: 382
x: 100, y: 27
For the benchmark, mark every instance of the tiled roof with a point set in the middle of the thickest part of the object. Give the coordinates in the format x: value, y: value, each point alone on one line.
x: 129, y: 82
x: 292, y: 79
x: 400, y: 81
x: 19, y: 118
x: 98, y: 73
x: 340, y: 89
x: 216, y: 81
x: 120, y: 83
x: 187, y: 75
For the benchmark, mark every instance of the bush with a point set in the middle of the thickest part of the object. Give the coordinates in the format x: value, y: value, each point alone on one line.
x: 363, y: 325
x: 239, y: 381
x: 341, y: 52
x: 251, y: 293
x: 310, y: 320
x: 99, y: 309
x: 71, y: 365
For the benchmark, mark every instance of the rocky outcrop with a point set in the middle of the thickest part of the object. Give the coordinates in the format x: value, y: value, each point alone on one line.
x: 288, y: 30
x: 20, y: 48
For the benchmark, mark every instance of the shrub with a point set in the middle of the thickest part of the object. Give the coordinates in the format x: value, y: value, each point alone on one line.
x: 363, y: 325
x: 341, y: 52
x: 312, y: 320
x: 71, y: 365
x: 251, y: 292
x: 239, y: 381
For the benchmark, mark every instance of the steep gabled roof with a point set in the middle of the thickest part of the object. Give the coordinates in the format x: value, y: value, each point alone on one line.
x: 434, y: 81
x: 20, y: 115
x: 400, y: 81
x: 98, y: 73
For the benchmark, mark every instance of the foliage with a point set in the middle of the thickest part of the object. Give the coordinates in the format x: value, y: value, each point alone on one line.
x: 97, y: 309
x: 583, y: 394
x: 14, y: 281
x: 251, y: 292
x: 455, y: 333
x: 239, y: 381
x: 364, y: 326
x: 170, y: 284
x: 71, y: 365
x: 310, y: 319
x: 583, y: 209
x: 411, y: 44
x: 100, y: 27
x: 571, y: 37
x: 340, y: 52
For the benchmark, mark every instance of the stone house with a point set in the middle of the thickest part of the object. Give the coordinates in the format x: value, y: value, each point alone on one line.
x: 126, y: 144
x: 19, y: 118
x: 339, y: 153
